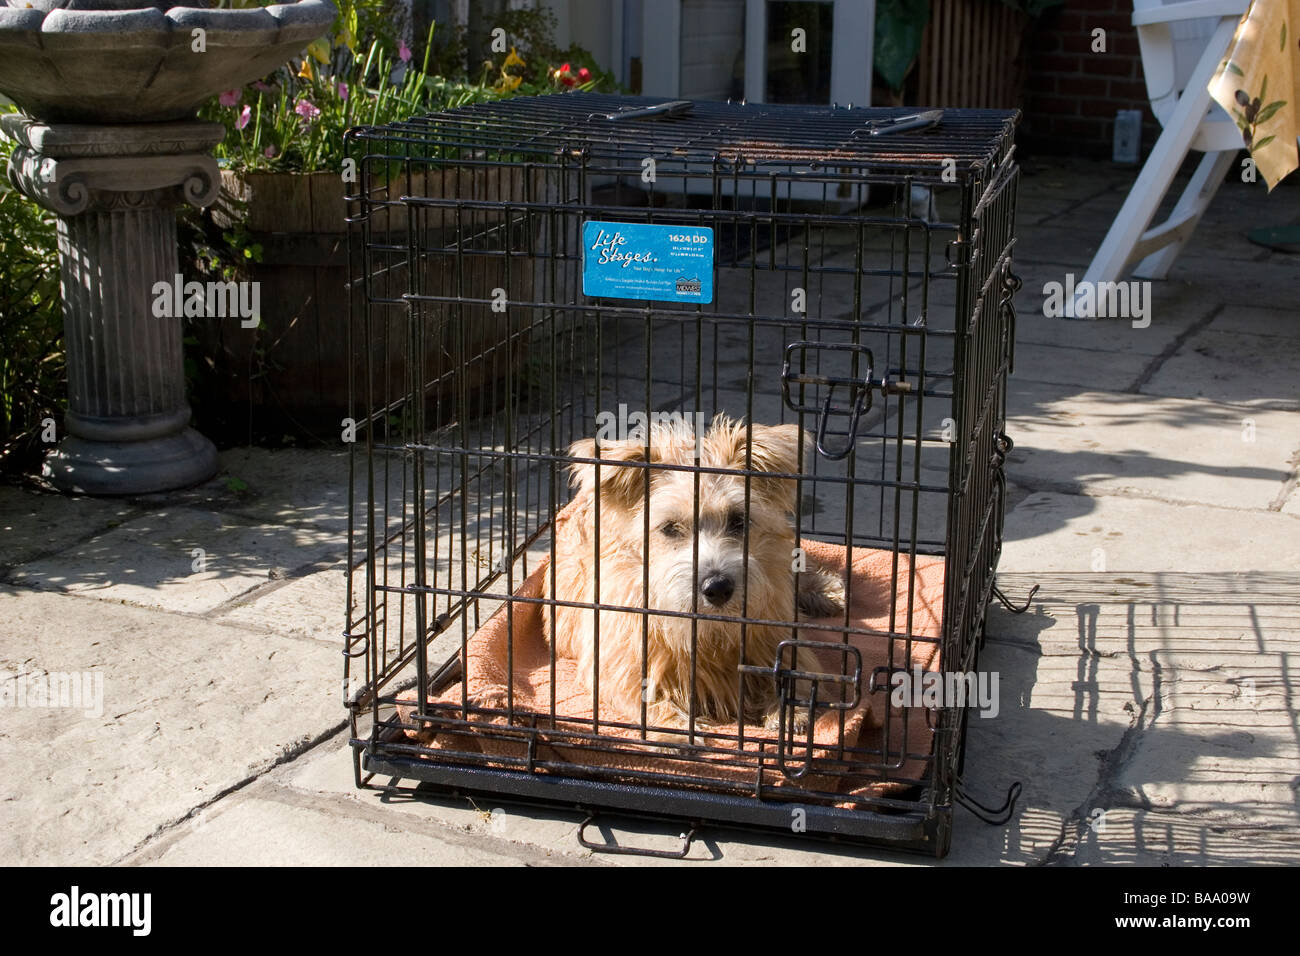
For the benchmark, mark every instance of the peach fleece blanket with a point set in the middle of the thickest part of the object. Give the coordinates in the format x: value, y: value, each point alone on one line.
x: 906, y: 736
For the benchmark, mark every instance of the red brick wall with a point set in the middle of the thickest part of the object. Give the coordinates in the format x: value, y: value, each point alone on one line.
x: 1072, y: 93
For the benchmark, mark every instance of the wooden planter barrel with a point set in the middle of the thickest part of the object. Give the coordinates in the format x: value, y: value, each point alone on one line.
x: 290, y: 375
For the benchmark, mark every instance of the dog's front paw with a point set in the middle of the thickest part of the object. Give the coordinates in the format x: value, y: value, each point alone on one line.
x: 798, y: 728
x: 821, y: 594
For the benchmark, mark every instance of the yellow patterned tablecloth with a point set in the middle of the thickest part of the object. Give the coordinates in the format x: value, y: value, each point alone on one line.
x: 1258, y: 83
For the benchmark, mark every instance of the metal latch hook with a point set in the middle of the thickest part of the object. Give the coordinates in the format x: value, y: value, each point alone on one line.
x: 859, y: 387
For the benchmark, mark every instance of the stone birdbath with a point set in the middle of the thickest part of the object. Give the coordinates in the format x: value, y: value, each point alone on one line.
x: 107, y: 140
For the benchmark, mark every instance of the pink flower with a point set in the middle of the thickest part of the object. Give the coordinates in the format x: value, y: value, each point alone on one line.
x: 343, y: 91
x: 261, y: 87
x: 306, y: 110
x: 245, y: 115
x: 269, y: 152
x: 229, y: 98
x: 403, y: 51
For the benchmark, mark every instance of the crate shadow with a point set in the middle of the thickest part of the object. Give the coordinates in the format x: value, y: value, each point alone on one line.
x: 1152, y: 715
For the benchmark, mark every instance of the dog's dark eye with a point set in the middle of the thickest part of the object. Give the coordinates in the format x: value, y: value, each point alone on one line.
x: 736, y: 523
x: 672, y: 530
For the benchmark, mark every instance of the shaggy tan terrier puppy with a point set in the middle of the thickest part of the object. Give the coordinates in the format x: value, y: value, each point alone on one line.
x: 737, y: 561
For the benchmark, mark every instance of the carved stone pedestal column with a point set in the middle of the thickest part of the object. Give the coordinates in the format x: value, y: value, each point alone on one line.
x: 114, y: 189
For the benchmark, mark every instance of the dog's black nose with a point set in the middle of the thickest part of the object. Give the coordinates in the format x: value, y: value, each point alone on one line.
x: 718, y: 589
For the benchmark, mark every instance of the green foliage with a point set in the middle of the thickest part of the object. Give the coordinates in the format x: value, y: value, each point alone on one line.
x: 899, y: 27
x: 545, y: 67
x: 294, y: 121
x: 361, y: 75
x: 31, y: 324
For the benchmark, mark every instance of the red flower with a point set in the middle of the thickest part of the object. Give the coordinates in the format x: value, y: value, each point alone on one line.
x: 564, y: 74
x: 584, y: 75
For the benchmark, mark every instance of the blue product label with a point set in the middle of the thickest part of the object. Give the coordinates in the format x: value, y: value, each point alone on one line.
x: 632, y: 260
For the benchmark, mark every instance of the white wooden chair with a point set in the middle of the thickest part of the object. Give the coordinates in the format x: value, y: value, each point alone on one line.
x: 1182, y: 44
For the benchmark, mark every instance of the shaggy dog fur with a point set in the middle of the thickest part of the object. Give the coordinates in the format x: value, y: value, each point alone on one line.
x: 628, y: 545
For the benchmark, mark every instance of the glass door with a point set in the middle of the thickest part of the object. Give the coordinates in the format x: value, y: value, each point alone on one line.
x: 767, y: 51
x: 809, y: 51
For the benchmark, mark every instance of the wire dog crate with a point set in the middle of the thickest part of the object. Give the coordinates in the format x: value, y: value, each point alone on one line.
x: 546, y: 294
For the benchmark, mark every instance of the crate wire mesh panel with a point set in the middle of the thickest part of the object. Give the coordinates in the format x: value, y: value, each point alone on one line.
x: 862, y: 291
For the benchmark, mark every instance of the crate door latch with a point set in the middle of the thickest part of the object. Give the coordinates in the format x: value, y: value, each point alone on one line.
x: 801, y: 693
x: 856, y: 388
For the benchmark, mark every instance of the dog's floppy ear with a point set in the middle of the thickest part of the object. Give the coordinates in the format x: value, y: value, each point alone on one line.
x: 773, y: 448
x: 776, y: 448
x: 625, y: 485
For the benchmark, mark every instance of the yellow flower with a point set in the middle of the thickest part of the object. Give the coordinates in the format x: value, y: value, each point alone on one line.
x: 509, y: 82
x: 305, y: 73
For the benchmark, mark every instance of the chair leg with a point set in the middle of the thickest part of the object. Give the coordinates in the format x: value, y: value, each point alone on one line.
x: 1108, y: 265
x: 1205, y: 182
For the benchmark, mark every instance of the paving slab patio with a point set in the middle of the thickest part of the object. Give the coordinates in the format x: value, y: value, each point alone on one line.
x: 1147, y: 696
x: 35, y: 524
x: 187, y: 709
x: 1065, y: 532
x: 1173, y: 449
x: 1234, y: 367
x: 182, y: 559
